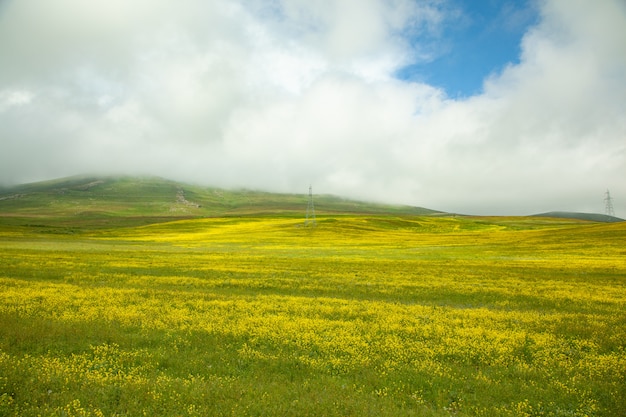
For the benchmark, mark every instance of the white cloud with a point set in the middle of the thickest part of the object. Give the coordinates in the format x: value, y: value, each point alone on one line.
x: 14, y: 98
x: 280, y: 94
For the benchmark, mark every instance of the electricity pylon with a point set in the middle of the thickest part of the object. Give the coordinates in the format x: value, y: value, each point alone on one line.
x: 608, y: 204
x: 310, y: 210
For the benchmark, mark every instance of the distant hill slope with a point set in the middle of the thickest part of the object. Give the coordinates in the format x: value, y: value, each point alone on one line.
x: 594, y: 217
x: 104, y: 200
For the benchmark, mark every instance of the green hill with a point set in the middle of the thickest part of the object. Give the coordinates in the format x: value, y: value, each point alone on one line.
x: 67, y: 204
x: 86, y: 201
x: 594, y: 217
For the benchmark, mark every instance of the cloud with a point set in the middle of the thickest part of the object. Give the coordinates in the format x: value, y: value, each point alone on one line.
x: 278, y: 95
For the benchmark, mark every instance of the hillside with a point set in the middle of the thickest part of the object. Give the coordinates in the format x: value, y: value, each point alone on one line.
x: 105, y: 201
x: 594, y: 217
x: 93, y: 202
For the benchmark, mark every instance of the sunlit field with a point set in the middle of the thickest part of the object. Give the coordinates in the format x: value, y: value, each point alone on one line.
x: 359, y: 316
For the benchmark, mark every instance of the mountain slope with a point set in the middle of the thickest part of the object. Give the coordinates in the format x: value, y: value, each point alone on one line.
x: 93, y: 201
x: 594, y: 217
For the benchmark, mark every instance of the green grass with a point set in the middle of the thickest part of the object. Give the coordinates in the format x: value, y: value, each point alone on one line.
x: 153, y: 312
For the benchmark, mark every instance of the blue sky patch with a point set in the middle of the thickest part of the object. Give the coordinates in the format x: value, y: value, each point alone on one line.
x: 481, y: 40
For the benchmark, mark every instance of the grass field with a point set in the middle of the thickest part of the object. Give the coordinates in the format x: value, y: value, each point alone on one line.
x: 367, y: 315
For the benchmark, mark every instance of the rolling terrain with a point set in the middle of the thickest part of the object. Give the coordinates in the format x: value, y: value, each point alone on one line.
x: 92, y: 201
x: 108, y: 201
x: 593, y: 217
x: 126, y: 297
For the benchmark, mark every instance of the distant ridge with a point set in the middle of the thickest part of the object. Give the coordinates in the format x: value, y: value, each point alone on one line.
x: 593, y: 217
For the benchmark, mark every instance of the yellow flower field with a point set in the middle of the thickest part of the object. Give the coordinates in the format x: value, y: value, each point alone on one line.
x: 397, y: 316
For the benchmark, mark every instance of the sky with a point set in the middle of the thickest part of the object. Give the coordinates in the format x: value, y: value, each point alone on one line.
x: 491, y: 107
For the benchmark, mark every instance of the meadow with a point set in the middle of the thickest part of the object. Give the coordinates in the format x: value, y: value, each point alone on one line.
x: 370, y: 315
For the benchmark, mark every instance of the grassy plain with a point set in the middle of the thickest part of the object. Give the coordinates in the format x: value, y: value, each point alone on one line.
x: 360, y: 316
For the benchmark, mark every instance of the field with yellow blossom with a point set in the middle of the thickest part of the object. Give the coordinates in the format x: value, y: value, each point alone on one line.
x: 368, y: 315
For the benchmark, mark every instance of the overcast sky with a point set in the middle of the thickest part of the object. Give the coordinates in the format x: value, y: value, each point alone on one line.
x: 505, y: 107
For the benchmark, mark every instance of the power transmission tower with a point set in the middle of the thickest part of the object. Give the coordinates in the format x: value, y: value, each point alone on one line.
x: 310, y: 210
x: 608, y: 204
